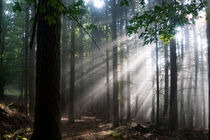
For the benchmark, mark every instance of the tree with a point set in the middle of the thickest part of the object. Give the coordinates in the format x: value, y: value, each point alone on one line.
x: 72, y: 73
x: 26, y: 60
x: 1, y: 51
x: 173, y: 114
x: 47, y: 108
x: 115, y: 72
x: 208, y: 43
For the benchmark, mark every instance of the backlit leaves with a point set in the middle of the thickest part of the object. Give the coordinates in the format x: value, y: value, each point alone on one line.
x: 163, y: 20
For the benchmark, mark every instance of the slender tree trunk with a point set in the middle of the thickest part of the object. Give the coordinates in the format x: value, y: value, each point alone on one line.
x: 32, y: 75
x: 115, y: 72
x: 196, y: 96
x: 182, y: 109
x: 121, y: 85
x: 72, y: 73
x: 26, y: 61
x: 173, y: 114
x: 203, y: 91
x: 208, y: 43
x: 157, y: 82
x: 107, y: 69
x: 128, y: 89
x: 64, y: 73
x: 1, y: 51
x: 136, y: 106
x: 47, y: 108
x: 166, y: 83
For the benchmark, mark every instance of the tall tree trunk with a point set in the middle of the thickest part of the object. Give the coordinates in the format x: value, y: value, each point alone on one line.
x: 182, y: 110
x: 72, y: 73
x: 107, y: 69
x: 128, y: 89
x: 115, y: 72
x: 32, y: 75
x: 203, y: 91
x: 26, y: 61
x: 157, y: 82
x: 64, y: 65
x: 165, y: 111
x: 208, y: 43
x: 196, y: 96
x: 121, y: 85
x: 47, y: 108
x: 1, y: 51
x: 173, y: 114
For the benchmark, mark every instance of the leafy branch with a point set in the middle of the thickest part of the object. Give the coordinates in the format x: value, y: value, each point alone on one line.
x: 163, y: 20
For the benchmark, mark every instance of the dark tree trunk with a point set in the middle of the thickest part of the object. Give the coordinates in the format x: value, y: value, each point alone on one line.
x: 26, y: 61
x: 165, y: 111
x: 47, y: 108
x: 157, y: 83
x: 121, y: 85
x: 64, y: 73
x: 72, y: 73
x: 115, y: 72
x: 1, y: 51
x: 128, y: 89
x: 173, y: 114
x: 32, y: 76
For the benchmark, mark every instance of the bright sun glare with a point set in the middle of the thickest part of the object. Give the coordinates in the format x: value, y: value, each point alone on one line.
x: 97, y: 3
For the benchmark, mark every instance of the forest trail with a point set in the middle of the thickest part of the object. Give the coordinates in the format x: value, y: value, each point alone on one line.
x: 86, y: 128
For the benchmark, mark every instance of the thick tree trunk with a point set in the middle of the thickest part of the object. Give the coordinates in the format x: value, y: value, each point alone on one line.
x: 173, y: 114
x: 72, y: 73
x: 47, y: 108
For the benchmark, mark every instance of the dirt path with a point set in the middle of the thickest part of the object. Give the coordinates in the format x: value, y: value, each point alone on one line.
x: 86, y: 128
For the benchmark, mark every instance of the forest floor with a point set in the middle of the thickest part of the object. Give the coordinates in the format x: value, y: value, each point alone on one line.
x: 14, y: 124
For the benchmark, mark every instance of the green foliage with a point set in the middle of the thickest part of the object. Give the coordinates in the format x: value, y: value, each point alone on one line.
x: 124, y: 3
x: 17, y: 7
x: 115, y: 134
x: 90, y: 27
x: 21, y: 138
x: 162, y: 21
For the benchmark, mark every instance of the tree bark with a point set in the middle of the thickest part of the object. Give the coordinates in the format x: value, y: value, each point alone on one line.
x: 64, y: 73
x: 1, y: 51
x: 115, y: 72
x: 26, y: 61
x: 72, y: 73
x: 173, y: 114
x: 166, y: 83
x: 47, y: 108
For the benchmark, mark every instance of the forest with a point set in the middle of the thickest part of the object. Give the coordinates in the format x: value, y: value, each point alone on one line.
x: 104, y: 69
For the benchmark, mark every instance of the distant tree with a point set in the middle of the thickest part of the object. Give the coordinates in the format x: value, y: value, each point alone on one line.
x: 1, y: 50
x: 72, y: 73
x: 115, y: 69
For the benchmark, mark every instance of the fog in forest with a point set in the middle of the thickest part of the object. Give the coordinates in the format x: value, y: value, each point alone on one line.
x: 82, y: 69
